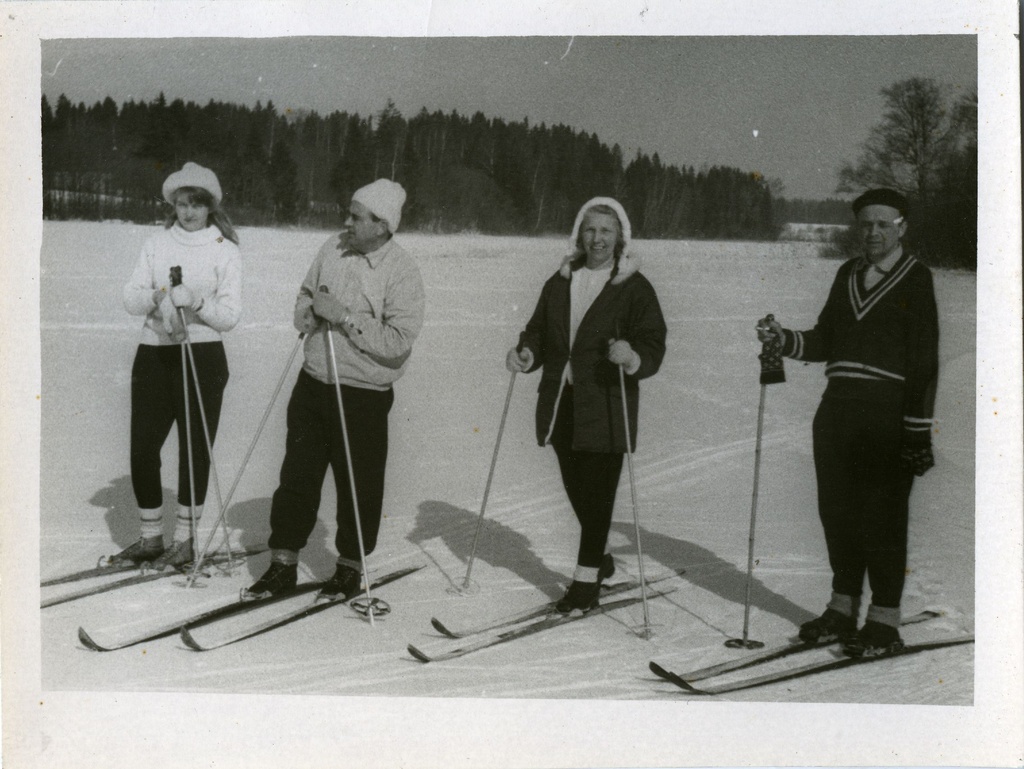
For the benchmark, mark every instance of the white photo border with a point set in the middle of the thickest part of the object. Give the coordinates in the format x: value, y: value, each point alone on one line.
x: 88, y: 729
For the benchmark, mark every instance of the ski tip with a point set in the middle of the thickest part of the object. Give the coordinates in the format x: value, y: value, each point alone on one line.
x: 686, y: 685
x: 658, y: 670
x: 417, y: 653
x: 674, y: 678
x: 188, y: 640
x: 440, y: 628
x: 87, y: 641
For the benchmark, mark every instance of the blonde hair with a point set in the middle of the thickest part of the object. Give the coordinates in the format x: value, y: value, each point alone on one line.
x: 216, y: 217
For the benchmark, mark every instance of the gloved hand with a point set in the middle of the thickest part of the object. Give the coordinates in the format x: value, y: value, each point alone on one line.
x: 171, y: 319
x: 917, y: 460
x: 183, y: 296
x: 768, y: 329
x: 308, y: 323
x: 329, y: 308
x: 518, y: 362
x: 916, y: 452
x: 621, y: 354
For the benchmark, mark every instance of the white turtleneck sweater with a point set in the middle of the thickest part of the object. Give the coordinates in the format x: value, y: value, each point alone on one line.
x: 211, y: 267
x: 584, y: 287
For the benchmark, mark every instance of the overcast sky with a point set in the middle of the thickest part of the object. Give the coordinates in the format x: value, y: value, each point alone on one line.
x: 693, y: 100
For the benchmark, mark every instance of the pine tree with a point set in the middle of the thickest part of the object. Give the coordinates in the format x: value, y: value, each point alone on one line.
x: 283, y: 183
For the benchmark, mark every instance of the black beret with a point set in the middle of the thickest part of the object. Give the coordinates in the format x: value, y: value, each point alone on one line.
x: 881, y: 197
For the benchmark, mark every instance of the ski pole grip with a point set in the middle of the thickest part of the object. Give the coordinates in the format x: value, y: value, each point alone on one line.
x: 772, y: 371
x: 175, y: 276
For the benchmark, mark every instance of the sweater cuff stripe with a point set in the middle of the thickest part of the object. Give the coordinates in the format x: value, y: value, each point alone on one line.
x: 792, y: 344
x: 860, y: 370
x: 917, y: 424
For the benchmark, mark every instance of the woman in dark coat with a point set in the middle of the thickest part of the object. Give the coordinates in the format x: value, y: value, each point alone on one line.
x: 595, y: 314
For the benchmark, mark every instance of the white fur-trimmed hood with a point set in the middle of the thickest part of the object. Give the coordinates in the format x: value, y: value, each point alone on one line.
x: 628, y: 262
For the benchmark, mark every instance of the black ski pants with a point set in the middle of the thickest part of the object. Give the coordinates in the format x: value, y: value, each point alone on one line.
x: 863, y: 496
x: 158, y: 402
x: 315, y: 442
x: 591, y: 480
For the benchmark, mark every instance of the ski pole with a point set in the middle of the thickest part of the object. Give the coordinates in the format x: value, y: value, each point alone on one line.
x: 487, y: 487
x: 209, y: 451
x: 772, y: 372
x: 175, y: 279
x: 371, y: 603
x: 194, y: 524
x: 245, y: 461
x: 636, y: 513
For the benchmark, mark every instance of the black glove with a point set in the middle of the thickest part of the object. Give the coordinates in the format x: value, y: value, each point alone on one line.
x: 916, y: 453
x: 917, y: 461
x: 770, y: 334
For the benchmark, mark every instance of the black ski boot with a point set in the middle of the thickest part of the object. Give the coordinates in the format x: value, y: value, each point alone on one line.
x: 830, y: 626
x: 139, y: 552
x: 279, y: 578
x: 580, y: 595
x: 344, y: 585
x: 874, y: 638
x: 177, y: 556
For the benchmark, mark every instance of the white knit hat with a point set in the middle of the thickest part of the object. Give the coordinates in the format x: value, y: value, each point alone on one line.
x: 192, y: 175
x: 385, y: 199
x: 612, y: 203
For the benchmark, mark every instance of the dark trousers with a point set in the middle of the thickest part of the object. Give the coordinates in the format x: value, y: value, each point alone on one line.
x: 315, y: 442
x: 591, y: 480
x: 158, y: 402
x: 863, y: 496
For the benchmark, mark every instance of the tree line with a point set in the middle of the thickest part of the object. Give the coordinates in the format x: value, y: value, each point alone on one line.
x: 461, y: 173
x: 801, y: 211
x: 489, y: 175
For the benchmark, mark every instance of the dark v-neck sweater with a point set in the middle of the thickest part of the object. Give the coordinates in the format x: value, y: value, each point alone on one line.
x: 878, y: 344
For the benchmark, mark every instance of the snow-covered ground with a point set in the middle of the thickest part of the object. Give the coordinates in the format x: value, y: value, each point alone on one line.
x: 694, y: 468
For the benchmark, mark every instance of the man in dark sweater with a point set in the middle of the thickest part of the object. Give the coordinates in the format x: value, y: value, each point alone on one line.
x: 878, y: 336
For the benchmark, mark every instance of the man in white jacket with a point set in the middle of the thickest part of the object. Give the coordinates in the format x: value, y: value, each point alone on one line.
x: 366, y: 291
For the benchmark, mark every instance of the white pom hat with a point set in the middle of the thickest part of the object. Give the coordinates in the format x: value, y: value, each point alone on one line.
x: 620, y: 212
x: 385, y: 199
x: 192, y: 175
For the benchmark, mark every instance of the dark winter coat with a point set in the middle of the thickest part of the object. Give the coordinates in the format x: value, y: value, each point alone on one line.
x: 627, y: 308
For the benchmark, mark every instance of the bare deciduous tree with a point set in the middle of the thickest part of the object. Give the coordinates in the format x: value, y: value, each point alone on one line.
x: 909, y: 147
x: 926, y: 146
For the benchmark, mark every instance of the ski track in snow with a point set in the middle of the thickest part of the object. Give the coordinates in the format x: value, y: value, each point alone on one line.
x: 694, y: 467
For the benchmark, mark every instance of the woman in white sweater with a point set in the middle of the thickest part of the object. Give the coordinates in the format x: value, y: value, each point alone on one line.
x: 197, y: 238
